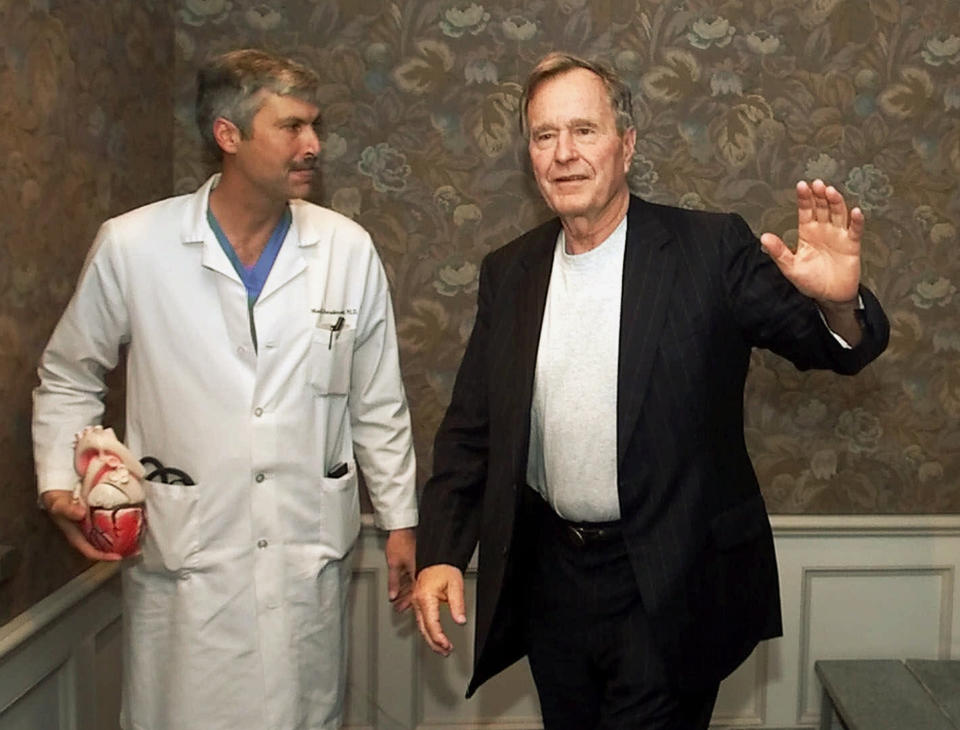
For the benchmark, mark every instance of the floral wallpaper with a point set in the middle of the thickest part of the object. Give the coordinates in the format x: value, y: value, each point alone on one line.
x: 86, y: 121
x: 734, y: 102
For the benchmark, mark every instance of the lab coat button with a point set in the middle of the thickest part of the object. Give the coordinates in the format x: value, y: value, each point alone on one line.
x: 258, y: 412
x: 260, y: 477
x: 261, y: 544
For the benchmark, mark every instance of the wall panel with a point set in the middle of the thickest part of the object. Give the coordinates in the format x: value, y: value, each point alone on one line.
x: 852, y: 588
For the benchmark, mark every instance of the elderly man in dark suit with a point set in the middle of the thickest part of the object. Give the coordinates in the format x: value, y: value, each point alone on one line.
x: 594, y: 442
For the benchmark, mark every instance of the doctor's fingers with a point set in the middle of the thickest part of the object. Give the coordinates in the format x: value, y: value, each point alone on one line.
x: 79, y: 542
x: 60, y: 503
x: 400, y: 588
x: 66, y: 514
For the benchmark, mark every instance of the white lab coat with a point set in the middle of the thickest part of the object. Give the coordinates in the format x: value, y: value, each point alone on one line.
x: 234, y: 609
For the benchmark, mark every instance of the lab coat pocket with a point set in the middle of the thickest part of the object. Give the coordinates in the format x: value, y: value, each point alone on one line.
x: 342, y: 497
x: 171, y: 540
x: 344, y: 482
x: 331, y: 357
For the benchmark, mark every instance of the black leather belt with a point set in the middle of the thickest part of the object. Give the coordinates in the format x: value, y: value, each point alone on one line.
x: 578, y: 534
x: 584, y: 535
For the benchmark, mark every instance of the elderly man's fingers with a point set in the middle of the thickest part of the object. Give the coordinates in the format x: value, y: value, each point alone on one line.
x: 428, y: 619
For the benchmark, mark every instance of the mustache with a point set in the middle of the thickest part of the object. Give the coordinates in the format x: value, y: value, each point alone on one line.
x: 308, y: 164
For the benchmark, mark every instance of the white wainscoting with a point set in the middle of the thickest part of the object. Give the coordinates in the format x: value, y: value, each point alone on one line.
x: 859, y: 588
x: 60, y: 661
x: 852, y: 587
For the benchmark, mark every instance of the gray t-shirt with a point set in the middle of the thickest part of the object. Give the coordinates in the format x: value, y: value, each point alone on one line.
x: 572, y: 459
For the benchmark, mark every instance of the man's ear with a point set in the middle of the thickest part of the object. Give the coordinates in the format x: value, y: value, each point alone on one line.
x: 227, y: 135
x: 629, y: 143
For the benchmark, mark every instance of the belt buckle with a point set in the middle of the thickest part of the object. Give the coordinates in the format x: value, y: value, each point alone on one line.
x: 579, y: 535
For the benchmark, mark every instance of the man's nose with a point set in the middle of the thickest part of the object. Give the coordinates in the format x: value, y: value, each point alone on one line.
x: 311, y: 141
x: 566, y: 149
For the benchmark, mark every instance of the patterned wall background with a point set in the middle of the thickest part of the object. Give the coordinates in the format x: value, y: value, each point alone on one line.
x: 85, y: 133
x: 734, y: 102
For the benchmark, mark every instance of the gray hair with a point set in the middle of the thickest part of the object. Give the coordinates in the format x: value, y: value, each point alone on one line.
x: 230, y: 86
x: 555, y: 64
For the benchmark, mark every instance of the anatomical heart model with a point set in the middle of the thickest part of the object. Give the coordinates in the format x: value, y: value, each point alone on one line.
x: 111, y: 490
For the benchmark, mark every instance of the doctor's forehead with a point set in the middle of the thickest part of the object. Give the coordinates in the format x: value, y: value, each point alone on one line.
x: 284, y: 106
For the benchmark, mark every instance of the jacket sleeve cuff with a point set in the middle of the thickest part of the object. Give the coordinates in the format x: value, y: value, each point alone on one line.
x: 396, y: 519
x: 51, y: 480
x: 842, y: 342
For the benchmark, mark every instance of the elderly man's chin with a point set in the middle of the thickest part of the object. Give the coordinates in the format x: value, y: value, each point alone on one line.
x: 568, y: 204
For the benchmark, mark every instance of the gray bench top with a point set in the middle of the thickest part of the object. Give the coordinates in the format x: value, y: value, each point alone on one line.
x: 941, y: 679
x: 883, y: 695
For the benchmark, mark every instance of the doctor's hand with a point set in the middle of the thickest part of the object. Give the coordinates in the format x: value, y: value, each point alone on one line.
x: 826, y: 264
x: 67, y: 514
x: 401, y: 552
x: 435, y: 585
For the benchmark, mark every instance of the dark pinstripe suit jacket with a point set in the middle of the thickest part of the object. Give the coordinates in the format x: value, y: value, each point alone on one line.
x: 698, y: 294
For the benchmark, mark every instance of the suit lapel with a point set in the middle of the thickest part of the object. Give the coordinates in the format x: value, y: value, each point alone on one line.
x: 649, y: 269
x: 535, y: 266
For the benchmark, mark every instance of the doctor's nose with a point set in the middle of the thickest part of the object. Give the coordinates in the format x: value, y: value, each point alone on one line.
x: 311, y: 141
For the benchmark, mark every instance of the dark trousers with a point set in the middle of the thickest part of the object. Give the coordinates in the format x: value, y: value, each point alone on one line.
x: 590, y: 645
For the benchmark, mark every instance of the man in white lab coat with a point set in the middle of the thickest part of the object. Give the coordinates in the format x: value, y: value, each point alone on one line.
x: 263, y: 362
